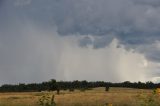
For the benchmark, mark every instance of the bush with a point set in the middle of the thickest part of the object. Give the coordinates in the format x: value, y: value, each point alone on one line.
x: 46, y: 100
x: 147, y: 100
x: 107, y: 88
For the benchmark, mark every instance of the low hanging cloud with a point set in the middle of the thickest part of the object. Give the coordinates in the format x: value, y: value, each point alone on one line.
x: 79, y: 40
x: 108, y: 64
x: 40, y: 55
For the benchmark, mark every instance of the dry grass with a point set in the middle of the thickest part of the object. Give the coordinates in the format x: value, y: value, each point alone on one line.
x: 95, y: 97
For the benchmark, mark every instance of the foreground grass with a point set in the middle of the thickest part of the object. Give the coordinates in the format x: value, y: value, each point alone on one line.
x: 95, y: 97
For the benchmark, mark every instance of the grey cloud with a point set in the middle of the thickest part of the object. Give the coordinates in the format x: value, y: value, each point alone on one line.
x: 27, y: 55
x: 96, y: 41
x: 123, y: 17
x: 151, y: 51
x: 135, y: 23
x: 132, y: 22
x: 155, y: 3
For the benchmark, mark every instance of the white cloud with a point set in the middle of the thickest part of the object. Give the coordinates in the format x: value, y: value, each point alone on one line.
x: 109, y: 63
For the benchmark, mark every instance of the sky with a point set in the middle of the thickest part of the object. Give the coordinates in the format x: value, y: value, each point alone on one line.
x: 104, y: 40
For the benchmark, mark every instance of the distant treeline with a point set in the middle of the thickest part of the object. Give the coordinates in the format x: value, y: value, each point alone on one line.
x: 53, y: 85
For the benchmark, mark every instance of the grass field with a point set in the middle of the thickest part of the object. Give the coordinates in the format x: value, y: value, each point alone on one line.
x: 94, y: 97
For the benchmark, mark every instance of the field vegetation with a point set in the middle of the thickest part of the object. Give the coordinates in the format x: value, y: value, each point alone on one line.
x: 92, y: 97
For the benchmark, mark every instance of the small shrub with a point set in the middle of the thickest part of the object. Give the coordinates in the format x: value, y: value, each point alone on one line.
x: 107, y: 88
x: 147, y: 100
x: 154, y: 91
x: 157, y: 91
x: 46, y: 100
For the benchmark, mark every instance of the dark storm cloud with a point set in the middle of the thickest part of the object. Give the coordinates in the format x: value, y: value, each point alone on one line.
x: 135, y: 23
x: 23, y: 57
x: 132, y: 22
x: 123, y: 17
